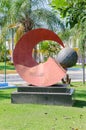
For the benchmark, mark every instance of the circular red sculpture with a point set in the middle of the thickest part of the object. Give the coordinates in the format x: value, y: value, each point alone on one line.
x: 43, y: 74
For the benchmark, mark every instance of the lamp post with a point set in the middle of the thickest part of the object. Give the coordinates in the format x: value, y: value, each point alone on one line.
x: 5, y: 63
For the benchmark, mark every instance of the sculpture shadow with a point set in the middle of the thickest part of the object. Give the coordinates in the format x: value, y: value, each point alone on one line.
x: 80, y: 98
x: 4, y: 95
x: 79, y: 103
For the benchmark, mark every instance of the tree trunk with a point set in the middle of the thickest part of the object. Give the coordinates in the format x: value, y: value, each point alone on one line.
x: 83, y: 63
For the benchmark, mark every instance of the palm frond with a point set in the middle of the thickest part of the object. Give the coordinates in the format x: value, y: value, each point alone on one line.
x: 48, y: 17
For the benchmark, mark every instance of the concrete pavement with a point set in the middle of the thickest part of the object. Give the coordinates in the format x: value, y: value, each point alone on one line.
x: 14, y: 79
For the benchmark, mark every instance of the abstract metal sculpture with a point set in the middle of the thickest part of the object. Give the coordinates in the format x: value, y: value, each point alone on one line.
x: 43, y: 74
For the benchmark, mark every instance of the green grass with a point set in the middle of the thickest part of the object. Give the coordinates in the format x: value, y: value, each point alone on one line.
x: 8, y: 66
x: 43, y: 117
x: 78, y: 66
x: 80, y: 94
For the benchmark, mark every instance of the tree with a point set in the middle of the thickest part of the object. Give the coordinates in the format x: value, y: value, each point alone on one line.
x: 30, y: 14
x: 26, y: 15
x: 74, y: 12
x: 46, y: 49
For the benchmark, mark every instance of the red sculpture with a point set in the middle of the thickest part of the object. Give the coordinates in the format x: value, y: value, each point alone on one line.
x: 43, y: 74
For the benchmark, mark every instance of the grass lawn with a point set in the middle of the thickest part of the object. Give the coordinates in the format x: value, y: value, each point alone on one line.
x: 9, y: 68
x: 43, y: 117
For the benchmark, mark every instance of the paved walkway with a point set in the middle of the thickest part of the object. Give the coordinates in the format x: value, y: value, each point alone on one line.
x: 14, y: 79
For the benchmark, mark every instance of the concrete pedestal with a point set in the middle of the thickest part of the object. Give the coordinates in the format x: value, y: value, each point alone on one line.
x: 55, y: 95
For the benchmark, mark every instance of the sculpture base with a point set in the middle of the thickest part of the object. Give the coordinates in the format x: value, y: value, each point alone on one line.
x: 55, y: 95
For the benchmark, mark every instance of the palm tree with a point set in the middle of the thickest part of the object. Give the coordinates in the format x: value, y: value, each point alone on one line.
x: 29, y: 14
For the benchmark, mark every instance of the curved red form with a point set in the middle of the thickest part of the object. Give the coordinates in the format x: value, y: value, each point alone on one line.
x: 43, y: 74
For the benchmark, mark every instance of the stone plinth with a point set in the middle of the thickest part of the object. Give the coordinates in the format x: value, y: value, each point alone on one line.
x: 54, y: 95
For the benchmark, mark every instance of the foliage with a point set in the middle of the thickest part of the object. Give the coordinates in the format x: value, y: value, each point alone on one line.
x: 50, y: 47
x: 19, y: 33
x: 58, y: 4
x: 31, y: 14
x: 74, y: 12
x: 83, y: 37
x: 21, y: 16
x: 65, y: 34
x: 3, y: 51
x: 45, y: 49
